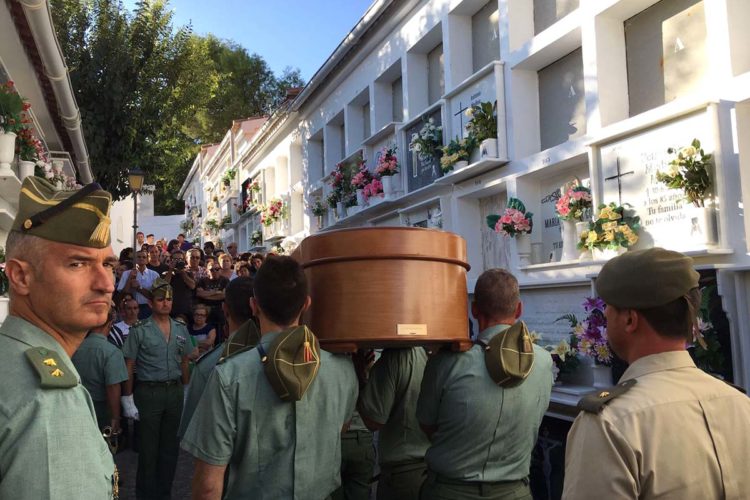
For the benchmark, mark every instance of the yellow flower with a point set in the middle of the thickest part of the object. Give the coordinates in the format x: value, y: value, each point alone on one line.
x: 609, y: 236
x: 578, y: 329
x: 609, y: 226
x: 562, y: 349
x: 688, y: 151
x: 591, y: 238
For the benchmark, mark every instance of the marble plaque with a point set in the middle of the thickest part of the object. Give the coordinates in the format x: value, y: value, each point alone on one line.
x: 483, y: 90
x: 629, y: 169
x: 421, y: 173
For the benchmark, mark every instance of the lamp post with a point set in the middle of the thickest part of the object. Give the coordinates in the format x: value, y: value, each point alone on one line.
x: 135, y: 180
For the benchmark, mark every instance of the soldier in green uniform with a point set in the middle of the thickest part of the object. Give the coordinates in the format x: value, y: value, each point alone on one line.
x: 60, y: 266
x: 482, y: 433
x: 102, y: 369
x: 159, y: 348
x: 244, y: 335
x: 272, y: 416
x: 357, y: 462
x: 388, y: 403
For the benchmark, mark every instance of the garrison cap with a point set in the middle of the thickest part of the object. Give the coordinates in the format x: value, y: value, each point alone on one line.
x: 291, y: 362
x: 78, y: 217
x: 642, y: 279
x: 509, y: 356
x: 160, y: 289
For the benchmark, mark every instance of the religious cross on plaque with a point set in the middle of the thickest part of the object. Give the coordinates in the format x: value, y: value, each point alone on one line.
x: 619, y: 176
x: 460, y: 115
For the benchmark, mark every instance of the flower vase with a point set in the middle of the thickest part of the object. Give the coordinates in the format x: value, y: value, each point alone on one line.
x: 361, y: 198
x: 331, y: 218
x: 7, y: 152
x: 460, y: 164
x: 25, y: 169
x: 523, y: 246
x: 602, y: 376
x: 488, y: 149
x: 375, y: 200
x: 570, y: 241
x: 702, y: 225
x: 340, y: 210
x: 388, y: 187
x: 320, y: 222
x: 607, y: 253
x: 580, y: 228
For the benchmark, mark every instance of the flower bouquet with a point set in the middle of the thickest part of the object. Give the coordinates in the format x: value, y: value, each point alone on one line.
x: 428, y: 141
x: 457, y: 150
x: 318, y: 208
x: 254, y: 186
x: 689, y: 171
x: 387, y: 163
x: 611, y: 229
x: 374, y: 189
x: 592, y: 332
x: 362, y: 178
x: 12, y: 109
x: 575, y: 202
x: 256, y: 238
x: 565, y: 353
x: 514, y: 221
x: 483, y: 123
x: 274, y: 212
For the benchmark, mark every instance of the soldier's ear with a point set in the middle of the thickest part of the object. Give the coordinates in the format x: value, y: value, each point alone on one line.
x: 20, y: 275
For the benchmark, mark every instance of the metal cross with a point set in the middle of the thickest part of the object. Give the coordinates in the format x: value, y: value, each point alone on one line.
x: 460, y: 115
x: 618, y: 177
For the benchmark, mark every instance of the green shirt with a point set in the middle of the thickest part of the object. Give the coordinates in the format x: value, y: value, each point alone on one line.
x: 157, y: 360
x: 245, y: 336
x: 484, y: 432
x: 50, y: 445
x: 274, y: 449
x: 99, y: 363
x: 390, y: 399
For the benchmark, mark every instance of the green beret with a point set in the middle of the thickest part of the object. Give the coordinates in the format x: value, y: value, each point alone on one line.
x: 77, y: 217
x: 160, y: 289
x: 643, y: 279
x: 291, y: 362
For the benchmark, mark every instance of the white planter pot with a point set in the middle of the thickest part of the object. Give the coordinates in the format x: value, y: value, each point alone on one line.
x: 460, y: 164
x: 352, y: 210
x: 702, y: 225
x: 331, y: 217
x: 361, y: 198
x: 488, y: 148
x: 319, y: 219
x: 602, y: 376
x: 340, y: 210
x: 389, y: 189
x: 570, y: 241
x: 580, y: 228
x: 25, y: 169
x: 607, y: 253
x: 523, y: 246
x: 375, y: 200
x: 7, y: 152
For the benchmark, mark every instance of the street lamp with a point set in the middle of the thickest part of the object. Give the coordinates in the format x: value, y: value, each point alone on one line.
x: 135, y: 180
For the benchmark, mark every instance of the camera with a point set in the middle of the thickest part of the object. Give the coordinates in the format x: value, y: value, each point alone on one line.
x: 180, y: 264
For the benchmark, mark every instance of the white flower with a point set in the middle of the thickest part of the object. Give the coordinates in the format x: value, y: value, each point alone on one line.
x: 414, y: 137
x: 688, y: 151
x: 674, y: 169
x: 417, y: 147
x: 469, y: 112
x: 430, y: 121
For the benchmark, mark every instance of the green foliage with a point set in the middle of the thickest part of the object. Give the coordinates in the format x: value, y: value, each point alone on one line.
x: 151, y: 93
x: 483, y: 124
x: 689, y: 171
x: 457, y: 150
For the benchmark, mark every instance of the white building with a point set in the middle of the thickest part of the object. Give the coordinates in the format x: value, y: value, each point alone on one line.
x: 590, y: 89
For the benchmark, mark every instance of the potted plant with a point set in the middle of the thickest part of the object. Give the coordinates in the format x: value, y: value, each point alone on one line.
x: 483, y: 126
x: 592, y: 341
x: 612, y: 232
x: 386, y: 168
x: 256, y: 238
x: 359, y: 180
x: 573, y: 208
x: 225, y: 221
x: 30, y: 150
x: 12, y: 120
x: 689, y: 171
x: 565, y: 352
x: 426, y: 144
x: 341, y: 178
x: 373, y: 191
x: 274, y: 212
x: 515, y: 222
x: 456, y: 153
x: 319, y: 210
x: 229, y: 176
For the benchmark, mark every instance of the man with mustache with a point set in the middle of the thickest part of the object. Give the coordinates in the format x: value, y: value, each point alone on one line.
x: 60, y: 268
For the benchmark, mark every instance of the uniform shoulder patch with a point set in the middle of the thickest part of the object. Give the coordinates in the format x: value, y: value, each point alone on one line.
x: 138, y: 323
x: 53, y: 372
x: 595, y: 401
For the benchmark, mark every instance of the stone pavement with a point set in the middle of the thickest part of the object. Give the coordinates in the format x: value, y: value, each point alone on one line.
x: 127, y: 464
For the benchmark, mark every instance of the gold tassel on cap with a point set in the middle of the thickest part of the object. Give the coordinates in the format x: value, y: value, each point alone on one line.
x: 101, y: 231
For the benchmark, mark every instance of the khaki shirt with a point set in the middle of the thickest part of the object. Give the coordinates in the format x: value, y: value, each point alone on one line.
x: 484, y: 432
x: 99, y: 363
x: 390, y: 399
x: 50, y: 445
x: 274, y: 449
x: 157, y: 360
x: 678, y: 433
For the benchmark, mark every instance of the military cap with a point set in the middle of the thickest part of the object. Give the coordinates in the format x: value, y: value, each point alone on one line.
x: 642, y: 279
x: 291, y: 362
x: 160, y: 289
x: 509, y: 356
x: 77, y: 217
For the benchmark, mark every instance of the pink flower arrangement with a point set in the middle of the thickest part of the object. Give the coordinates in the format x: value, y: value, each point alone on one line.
x: 362, y: 178
x: 374, y: 188
x: 273, y: 212
x: 387, y: 162
x: 515, y: 220
x: 574, y: 202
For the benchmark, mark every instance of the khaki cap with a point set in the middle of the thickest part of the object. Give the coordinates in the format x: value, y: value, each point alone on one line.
x: 78, y: 217
x: 160, y: 289
x: 643, y: 279
x: 291, y: 362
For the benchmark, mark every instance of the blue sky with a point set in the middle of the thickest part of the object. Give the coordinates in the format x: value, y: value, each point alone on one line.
x: 297, y: 33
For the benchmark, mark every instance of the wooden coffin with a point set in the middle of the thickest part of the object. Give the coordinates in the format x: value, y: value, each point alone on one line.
x: 386, y: 286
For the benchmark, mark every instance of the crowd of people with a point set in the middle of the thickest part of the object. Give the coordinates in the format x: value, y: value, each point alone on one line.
x: 267, y: 414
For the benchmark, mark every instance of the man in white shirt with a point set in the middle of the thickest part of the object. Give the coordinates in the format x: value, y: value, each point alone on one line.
x: 138, y: 279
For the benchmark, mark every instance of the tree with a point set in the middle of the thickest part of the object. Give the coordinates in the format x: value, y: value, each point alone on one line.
x: 151, y: 93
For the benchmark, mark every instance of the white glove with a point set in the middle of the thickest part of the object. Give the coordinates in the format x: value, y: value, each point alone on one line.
x: 128, y: 407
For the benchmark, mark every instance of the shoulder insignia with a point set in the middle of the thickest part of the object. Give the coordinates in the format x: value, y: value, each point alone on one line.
x: 595, y: 401
x: 138, y: 323
x: 234, y: 353
x: 53, y: 372
x: 180, y: 320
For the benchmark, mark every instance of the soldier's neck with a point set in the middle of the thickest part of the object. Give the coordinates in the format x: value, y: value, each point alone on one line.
x: 69, y: 341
